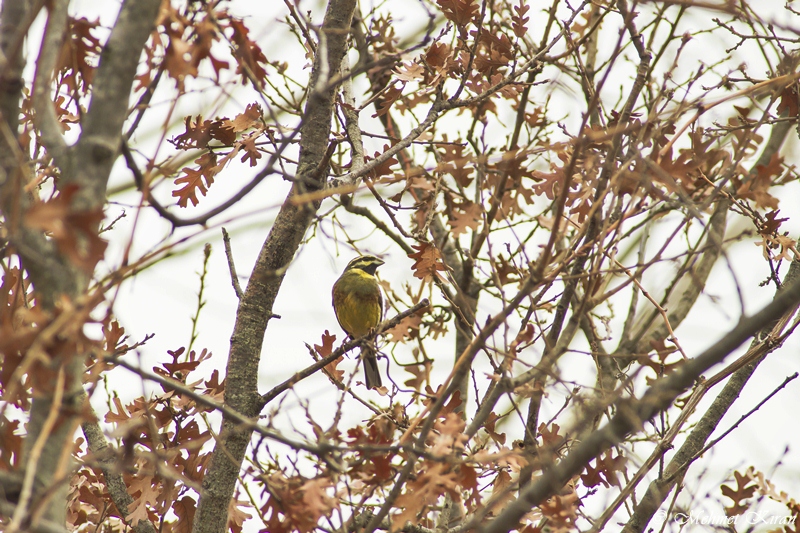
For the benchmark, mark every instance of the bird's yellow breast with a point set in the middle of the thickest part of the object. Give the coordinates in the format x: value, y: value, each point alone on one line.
x: 357, y: 301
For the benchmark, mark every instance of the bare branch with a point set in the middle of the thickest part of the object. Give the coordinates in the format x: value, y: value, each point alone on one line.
x: 101, y: 134
x: 255, y: 307
x: 631, y: 414
x: 45, y: 117
x: 237, y: 288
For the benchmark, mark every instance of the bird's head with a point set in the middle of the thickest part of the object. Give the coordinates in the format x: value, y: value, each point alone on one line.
x: 367, y: 263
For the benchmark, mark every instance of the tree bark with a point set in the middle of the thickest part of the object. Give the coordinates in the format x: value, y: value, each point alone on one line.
x: 255, y: 306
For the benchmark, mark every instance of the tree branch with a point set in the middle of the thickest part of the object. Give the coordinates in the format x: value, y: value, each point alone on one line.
x: 108, y: 461
x: 256, y: 305
x: 632, y: 414
x: 343, y: 349
x: 101, y: 127
x: 660, y: 488
x: 45, y: 117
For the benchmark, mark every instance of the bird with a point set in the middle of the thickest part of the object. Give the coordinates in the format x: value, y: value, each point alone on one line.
x: 358, y: 304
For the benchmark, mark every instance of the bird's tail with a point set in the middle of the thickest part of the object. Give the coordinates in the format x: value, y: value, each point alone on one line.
x: 372, y: 373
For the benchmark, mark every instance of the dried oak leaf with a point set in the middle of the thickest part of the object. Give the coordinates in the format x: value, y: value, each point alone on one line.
x: 437, y: 55
x: 561, y: 512
x: 757, y: 187
x: 464, y: 217
x: 550, y: 437
x: 64, y: 115
x: 324, y: 350
x: 742, y: 492
x: 318, y: 502
x: 382, y: 35
x: 433, y: 480
x: 75, y: 233
x: 548, y: 181
x: 771, y: 224
x: 789, y: 101
x: 146, y: 497
x: 468, y: 479
x: 250, y: 117
x: 120, y: 416
x: 251, y: 151
x: 449, y: 435
x: 604, y: 472
x: 196, y: 180
x: 421, y: 373
x: 456, y: 163
x: 449, y: 407
x: 385, y: 168
x: 518, y: 20
x: 237, y: 515
x: 409, y: 71
x: 389, y: 97
x: 112, y: 333
x: 12, y: 443
x: 79, y: 54
x: 215, y: 388
x: 489, y: 426
x: 427, y: 261
x: 501, y: 496
x: 288, y: 497
x: 407, y: 328
x: 496, y: 52
x: 379, y: 467
x: 461, y: 12
x: 184, y: 509
x: 196, y: 134
x: 785, y: 243
x: 177, y: 60
x: 251, y: 60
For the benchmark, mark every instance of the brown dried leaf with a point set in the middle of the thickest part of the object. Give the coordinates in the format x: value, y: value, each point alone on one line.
x: 250, y: 117
x: 408, y: 328
x: 196, y: 180
x: 237, y: 514
x: 75, y: 233
x: 461, y: 12
x: 79, y: 54
x: 489, y: 426
x: 184, y: 509
x: 251, y: 151
x: 251, y: 60
x: 389, y: 97
x: 518, y: 20
x: 465, y: 217
x: 740, y: 494
x: 427, y: 261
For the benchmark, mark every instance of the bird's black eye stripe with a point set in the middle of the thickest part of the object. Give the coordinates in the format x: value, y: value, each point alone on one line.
x: 364, y: 263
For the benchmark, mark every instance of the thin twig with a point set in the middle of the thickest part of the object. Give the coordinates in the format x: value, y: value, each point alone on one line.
x: 738, y: 422
x: 344, y: 348
x: 226, y: 240
x: 33, y: 457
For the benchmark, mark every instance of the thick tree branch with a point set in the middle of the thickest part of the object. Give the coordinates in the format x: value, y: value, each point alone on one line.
x: 45, y: 117
x: 101, y: 127
x: 660, y: 488
x: 42, y: 526
x: 109, y: 464
x: 632, y: 414
x: 255, y: 306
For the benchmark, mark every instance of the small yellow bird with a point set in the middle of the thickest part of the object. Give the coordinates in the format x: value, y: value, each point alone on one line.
x: 358, y: 304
